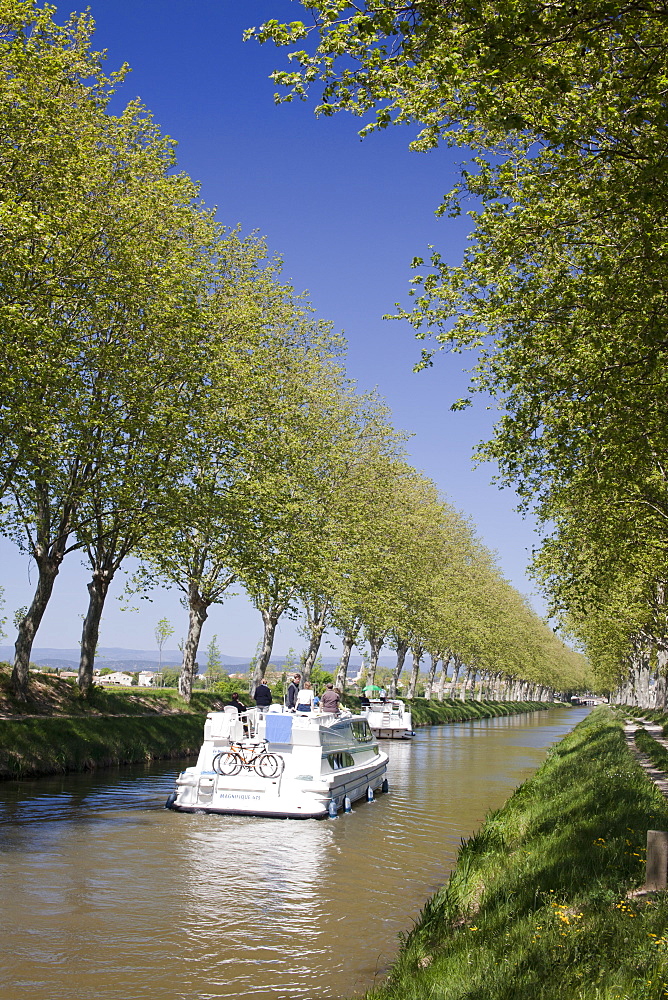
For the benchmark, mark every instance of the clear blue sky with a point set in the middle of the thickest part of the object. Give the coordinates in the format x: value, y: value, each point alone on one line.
x: 347, y: 217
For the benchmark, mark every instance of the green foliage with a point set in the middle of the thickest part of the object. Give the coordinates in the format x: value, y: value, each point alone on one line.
x: 561, y: 292
x: 53, y: 746
x: 320, y: 677
x: 170, y: 677
x: 214, y: 665
x: 213, y: 660
x: 163, y: 630
x: 225, y: 687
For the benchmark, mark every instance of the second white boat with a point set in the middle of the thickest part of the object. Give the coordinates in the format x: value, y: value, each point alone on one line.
x: 389, y: 719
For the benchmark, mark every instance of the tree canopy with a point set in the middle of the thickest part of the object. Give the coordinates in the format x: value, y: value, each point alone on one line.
x: 562, y: 291
x: 165, y: 394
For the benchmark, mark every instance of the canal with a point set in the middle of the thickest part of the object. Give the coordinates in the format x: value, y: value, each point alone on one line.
x: 107, y: 895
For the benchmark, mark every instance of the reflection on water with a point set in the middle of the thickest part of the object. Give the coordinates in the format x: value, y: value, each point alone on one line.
x: 112, y: 896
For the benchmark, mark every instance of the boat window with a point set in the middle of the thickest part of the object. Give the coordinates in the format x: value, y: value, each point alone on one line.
x: 361, y: 731
x: 339, y: 760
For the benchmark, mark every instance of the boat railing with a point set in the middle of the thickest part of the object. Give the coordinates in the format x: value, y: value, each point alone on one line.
x: 252, y: 718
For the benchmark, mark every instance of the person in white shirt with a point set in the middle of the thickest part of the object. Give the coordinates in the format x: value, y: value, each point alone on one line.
x: 305, y: 698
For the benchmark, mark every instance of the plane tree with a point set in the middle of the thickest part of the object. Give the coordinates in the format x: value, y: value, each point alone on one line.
x: 562, y: 289
x: 105, y: 250
x: 235, y: 502
x: 287, y: 562
x: 352, y: 496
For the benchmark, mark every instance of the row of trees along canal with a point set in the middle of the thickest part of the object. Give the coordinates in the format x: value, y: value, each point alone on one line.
x: 164, y: 394
x: 563, y: 292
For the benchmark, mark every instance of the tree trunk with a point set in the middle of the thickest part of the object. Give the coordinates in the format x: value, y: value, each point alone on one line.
x: 376, y: 644
x: 415, y: 672
x: 431, y: 676
x: 642, y: 675
x: 270, y: 621
x: 198, y: 609
x: 456, y: 667
x: 342, y: 670
x: 440, y: 691
x: 462, y: 695
x: 661, y: 685
x: 48, y: 567
x: 317, y: 625
x: 402, y: 649
x: 98, y: 589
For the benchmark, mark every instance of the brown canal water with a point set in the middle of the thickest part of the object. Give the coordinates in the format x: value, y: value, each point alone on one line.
x: 107, y: 895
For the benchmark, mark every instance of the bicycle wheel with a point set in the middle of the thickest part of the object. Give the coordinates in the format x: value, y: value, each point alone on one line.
x: 269, y: 765
x: 227, y: 763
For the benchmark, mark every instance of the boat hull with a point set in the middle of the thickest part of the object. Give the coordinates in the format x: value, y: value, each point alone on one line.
x: 392, y: 734
x: 310, y: 804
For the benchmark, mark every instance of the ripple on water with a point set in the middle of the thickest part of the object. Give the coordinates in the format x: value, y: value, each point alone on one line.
x: 116, y: 897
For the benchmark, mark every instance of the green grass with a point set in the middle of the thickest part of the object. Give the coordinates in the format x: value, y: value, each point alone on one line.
x: 655, y: 751
x: 537, y: 906
x: 56, y: 730
x: 428, y: 713
x: 49, y: 694
x: 32, y: 747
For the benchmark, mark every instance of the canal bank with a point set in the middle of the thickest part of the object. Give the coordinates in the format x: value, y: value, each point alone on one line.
x: 56, y: 732
x: 541, y: 903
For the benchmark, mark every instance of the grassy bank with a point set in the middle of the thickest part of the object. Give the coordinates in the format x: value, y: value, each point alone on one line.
x: 55, y: 730
x: 32, y: 747
x: 430, y: 713
x: 538, y: 906
x: 434, y: 713
x: 655, y: 751
x: 50, y: 695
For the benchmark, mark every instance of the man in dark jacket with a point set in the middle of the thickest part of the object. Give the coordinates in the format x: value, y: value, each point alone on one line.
x: 236, y: 702
x: 293, y: 689
x: 262, y: 696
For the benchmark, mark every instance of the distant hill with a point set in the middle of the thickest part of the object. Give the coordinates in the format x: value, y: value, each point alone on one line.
x: 117, y: 658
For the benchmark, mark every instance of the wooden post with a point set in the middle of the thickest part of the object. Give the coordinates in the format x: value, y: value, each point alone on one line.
x: 656, y: 872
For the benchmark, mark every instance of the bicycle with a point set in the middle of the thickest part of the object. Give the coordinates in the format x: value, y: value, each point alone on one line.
x: 252, y: 757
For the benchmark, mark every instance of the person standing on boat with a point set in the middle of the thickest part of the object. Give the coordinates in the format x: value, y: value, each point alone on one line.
x: 293, y: 691
x: 331, y: 700
x: 262, y: 696
x: 305, y: 698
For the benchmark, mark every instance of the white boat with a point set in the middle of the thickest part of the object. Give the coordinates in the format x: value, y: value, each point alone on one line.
x: 282, y: 764
x: 388, y: 718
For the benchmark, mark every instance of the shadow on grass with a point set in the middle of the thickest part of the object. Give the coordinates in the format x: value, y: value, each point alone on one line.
x: 537, y: 905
